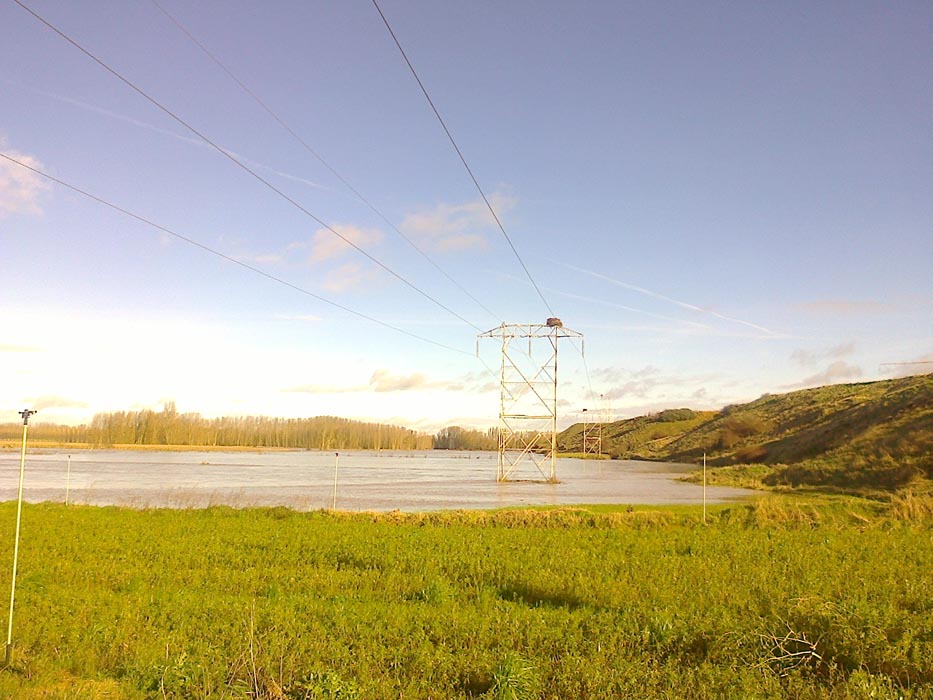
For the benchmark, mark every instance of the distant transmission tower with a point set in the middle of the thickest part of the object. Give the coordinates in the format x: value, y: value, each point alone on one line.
x: 606, y: 411
x: 528, y: 396
x: 592, y: 436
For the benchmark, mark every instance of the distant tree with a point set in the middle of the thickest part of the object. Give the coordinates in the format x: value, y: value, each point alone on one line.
x: 672, y: 415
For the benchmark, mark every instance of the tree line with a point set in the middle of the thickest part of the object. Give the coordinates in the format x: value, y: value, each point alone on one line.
x: 456, y: 438
x: 169, y: 427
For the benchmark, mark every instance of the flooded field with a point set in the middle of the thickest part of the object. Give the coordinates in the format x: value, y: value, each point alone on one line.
x: 410, y: 481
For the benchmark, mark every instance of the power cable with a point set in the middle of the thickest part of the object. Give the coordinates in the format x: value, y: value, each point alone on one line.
x: 224, y: 256
x: 586, y: 369
x: 462, y: 158
x: 239, y: 163
x: 315, y: 154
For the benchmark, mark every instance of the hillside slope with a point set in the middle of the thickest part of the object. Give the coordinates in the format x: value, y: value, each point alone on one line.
x: 867, y: 435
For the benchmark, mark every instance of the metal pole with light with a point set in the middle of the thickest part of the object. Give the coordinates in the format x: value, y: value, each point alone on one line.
x: 19, y: 512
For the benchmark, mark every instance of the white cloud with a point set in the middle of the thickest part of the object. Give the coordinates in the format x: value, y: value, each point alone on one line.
x: 20, y: 189
x: 456, y: 227
x: 326, y: 249
x: 383, y: 380
x: 45, y: 403
x: 350, y: 276
x: 844, y: 307
x: 636, y: 392
x: 809, y: 358
x: 325, y: 245
x: 838, y: 372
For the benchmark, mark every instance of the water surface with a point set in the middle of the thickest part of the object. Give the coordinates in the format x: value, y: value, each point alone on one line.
x: 409, y: 481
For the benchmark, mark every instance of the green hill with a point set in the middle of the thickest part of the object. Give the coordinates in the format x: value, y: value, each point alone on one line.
x: 875, y: 435
x: 645, y: 437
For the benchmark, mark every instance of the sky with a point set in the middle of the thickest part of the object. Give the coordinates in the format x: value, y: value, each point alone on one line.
x: 726, y: 199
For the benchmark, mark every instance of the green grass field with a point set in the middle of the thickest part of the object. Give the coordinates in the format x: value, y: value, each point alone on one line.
x: 783, y: 598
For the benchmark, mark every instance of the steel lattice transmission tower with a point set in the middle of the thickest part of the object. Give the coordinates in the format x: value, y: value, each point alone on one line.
x: 528, y: 396
x: 592, y: 435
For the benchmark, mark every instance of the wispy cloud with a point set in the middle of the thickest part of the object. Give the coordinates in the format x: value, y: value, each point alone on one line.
x: 837, y: 372
x: 385, y: 381
x: 47, y: 403
x: 662, y: 297
x: 650, y: 385
x: 810, y: 358
x: 907, y: 368
x: 192, y: 140
x: 456, y: 227
x: 325, y: 251
x: 844, y: 307
x: 325, y: 245
x: 352, y: 276
x: 20, y: 189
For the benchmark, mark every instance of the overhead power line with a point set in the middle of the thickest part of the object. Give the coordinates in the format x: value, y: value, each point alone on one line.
x: 462, y: 158
x: 228, y: 258
x: 239, y: 163
x: 281, y: 122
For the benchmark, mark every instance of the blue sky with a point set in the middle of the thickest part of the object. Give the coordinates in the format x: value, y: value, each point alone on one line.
x: 727, y: 199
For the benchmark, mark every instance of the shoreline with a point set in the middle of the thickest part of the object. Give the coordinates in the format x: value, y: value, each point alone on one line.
x: 86, y: 446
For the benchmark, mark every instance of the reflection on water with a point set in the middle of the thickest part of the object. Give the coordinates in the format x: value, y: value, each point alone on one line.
x: 410, y: 481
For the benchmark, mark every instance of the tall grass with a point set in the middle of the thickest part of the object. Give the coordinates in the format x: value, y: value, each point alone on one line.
x: 572, y: 603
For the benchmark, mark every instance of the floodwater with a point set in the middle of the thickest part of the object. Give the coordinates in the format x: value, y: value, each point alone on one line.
x: 304, y: 480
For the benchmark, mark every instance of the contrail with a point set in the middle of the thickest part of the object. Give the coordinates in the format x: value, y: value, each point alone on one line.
x: 168, y: 132
x: 656, y: 295
x: 604, y: 302
x: 591, y: 300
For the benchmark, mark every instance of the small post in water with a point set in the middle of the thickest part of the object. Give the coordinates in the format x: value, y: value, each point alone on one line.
x: 19, y: 511
x: 68, y: 480
x: 336, y: 462
x: 704, y: 488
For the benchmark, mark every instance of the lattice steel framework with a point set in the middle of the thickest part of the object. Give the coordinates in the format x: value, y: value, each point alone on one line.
x: 592, y: 435
x: 528, y: 398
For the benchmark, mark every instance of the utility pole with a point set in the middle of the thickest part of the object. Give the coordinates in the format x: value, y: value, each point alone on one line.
x: 19, y: 511
x: 336, y: 463
x: 68, y: 480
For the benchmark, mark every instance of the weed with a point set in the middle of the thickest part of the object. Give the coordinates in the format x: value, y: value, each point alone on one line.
x: 513, y: 679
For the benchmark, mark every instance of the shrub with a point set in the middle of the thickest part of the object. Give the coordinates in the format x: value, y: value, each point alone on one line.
x: 736, y: 428
x: 751, y: 454
x: 672, y: 415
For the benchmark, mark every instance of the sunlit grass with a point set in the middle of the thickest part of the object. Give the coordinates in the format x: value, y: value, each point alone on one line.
x: 581, y: 602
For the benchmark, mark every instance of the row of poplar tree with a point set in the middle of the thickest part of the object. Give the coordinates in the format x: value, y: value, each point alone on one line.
x: 168, y: 427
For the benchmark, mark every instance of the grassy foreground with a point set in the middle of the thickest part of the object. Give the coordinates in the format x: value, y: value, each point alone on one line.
x: 784, y: 598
